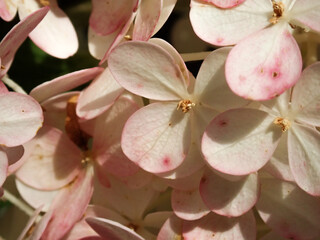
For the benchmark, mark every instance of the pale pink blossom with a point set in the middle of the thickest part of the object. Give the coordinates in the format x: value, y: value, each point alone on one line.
x: 266, y: 60
x: 241, y: 141
x: 158, y: 136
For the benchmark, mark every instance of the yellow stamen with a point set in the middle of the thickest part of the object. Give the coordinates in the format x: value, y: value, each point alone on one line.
x: 185, y: 105
x: 284, y: 123
x: 278, y: 9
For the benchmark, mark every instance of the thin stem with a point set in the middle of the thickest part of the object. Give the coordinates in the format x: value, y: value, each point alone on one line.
x: 13, y: 85
x: 188, y: 57
x: 17, y: 202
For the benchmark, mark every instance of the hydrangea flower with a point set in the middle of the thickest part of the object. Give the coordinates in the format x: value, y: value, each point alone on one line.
x: 266, y: 60
x: 158, y: 136
x: 241, y: 141
x: 55, y: 34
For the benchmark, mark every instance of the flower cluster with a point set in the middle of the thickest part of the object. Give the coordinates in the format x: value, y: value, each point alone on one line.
x: 147, y: 149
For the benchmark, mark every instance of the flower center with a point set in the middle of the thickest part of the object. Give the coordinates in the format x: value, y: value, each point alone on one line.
x: 284, y: 123
x: 278, y: 9
x: 185, y: 105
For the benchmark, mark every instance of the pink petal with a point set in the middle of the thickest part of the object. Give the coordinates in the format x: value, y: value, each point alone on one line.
x: 112, y: 230
x: 108, y: 16
x: 187, y: 183
x: 8, y: 9
x: 188, y: 205
x: 304, y: 152
x: 138, y: 180
x: 171, y: 229
x: 51, y: 157
x: 21, y: 117
x: 174, y: 53
x: 14, y: 154
x: 227, y: 27
x: 157, y: 137
x: 64, y: 83
x: 3, y: 167
x: 147, y: 70
x: 34, y: 197
x: 306, y: 96
x: 264, y: 64
x: 55, y: 110
x: 121, y: 198
x: 167, y: 7
x: 3, y: 88
x: 229, y: 198
x: 101, y: 46
x: 13, y: 40
x: 69, y: 205
x: 217, y: 227
x: 288, y: 210
x: 278, y: 165
x: 98, y: 96
x: 211, y: 87
x: 307, y: 12
x: 107, y: 136
x: 146, y: 20
x: 55, y: 34
x: 225, y: 3
x: 81, y: 229
x: 240, y: 141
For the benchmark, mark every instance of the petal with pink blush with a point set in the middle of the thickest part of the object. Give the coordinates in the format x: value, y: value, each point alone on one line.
x: 225, y: 3
x: 229, y: 198
x: 211, y: 87
x: 188, y: 205
x: 146, y: 20
x: 288, y: 210
x: 107, y: 136
x: 3, y: 167
x: 171, y: 229
x: 3, y: 88
x: 306, y: 96
x: 147, y: 70
x: 304, y: 153
x: 81, y: 229
x: 265, y: 64
x: 98, y: 96
x: 112, y: 230
x: 174, y: 53
x: 306, y: 12
x: 64, y: 83
x: 157, y: 137
x: 14, y: 154
x: 21, y: 117
x: 34, y: 197
x: 217, y: 227
x: 188, y: 183
x: 69, y: 205
x: 55, y: 34
x: 167, y: 7
x: 108, y: 16
x: 51, y: 157
x: 240, y: 141
x: 227, y: 27
x: 278, y: 165
x: 8, y: 9
x: 13, y: 40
